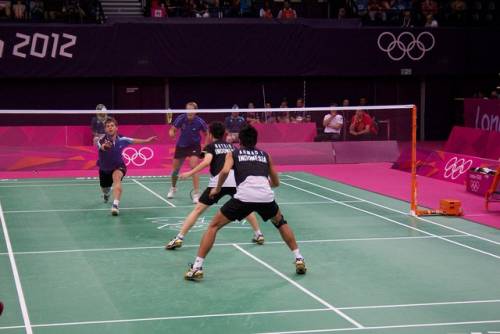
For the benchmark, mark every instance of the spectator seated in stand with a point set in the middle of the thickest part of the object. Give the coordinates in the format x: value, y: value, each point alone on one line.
x: 5, y: 8
x: 234, y: 124
x: 19, y: 9
x: 287, y: 13
x: 37, y: 11
x: 332, y: 123
x: 362, y: 126
x: 158, y: 10
x: 252, y: 117
x: 265, y: 12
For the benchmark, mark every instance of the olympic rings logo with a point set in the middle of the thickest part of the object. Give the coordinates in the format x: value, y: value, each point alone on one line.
x: 137, y: 158
x: 456, y: 167
x: 406, y: 44
x: 474, y: 185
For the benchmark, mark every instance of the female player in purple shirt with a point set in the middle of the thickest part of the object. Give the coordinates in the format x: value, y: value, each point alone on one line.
x: 112, y: 168
x: 188, y: 146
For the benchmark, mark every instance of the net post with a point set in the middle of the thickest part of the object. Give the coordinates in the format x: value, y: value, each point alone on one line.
x: 413, y: 203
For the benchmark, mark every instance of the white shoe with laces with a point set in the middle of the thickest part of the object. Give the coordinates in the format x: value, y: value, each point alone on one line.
x: 171, y: 192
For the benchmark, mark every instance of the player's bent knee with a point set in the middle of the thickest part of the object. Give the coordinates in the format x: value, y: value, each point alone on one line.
x: 278, y: 223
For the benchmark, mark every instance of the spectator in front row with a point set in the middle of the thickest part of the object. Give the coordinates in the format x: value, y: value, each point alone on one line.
x: 333, y: 123
x: 234, y: 124
x: 362, y: 126
x: 287, y: 13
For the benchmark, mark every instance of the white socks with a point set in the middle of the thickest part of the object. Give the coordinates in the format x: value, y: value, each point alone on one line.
x: 297, y: 254
x: 198, y: 262
x: 116, y: 202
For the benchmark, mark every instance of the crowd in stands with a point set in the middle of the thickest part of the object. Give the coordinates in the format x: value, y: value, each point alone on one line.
x: 68, y: 11
x: 404, y: 13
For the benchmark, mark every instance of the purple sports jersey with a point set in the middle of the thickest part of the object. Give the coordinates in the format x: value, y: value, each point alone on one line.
x: 112, y: 159
x: 190, y: 130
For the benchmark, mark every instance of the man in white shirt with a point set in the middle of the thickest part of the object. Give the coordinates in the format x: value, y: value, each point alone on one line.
x: 333, y: 123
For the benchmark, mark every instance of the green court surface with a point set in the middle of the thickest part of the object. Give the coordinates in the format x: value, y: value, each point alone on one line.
x: 68, y: 266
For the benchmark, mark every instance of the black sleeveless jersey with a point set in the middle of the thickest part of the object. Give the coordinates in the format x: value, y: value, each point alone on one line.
x: 250, y: 162
x: 218, y: 149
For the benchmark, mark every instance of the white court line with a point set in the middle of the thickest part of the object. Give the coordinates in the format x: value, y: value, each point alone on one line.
x: 401, y: 224
x: 153, y: 207
x: 216, y: 315
x: 394, y: 210
x: 15, y: 273
x: 437, y: 324
x: 154, y: 193
x: 420, y: 304
x: 224, y: 244
x: 300, y: 287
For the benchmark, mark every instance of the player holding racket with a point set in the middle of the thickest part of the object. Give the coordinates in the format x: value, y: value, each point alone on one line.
x: 214, y: 156
x: 255, y: 174
x: 188, y: 146
x: 112, y: 168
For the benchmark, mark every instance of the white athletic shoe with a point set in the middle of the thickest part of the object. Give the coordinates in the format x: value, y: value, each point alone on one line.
x: 171, y: 192
x: 114, y: 210
x: 196, y: 198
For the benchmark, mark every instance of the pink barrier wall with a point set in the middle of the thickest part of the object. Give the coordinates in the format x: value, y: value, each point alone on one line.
x: 482, y: 114
x: 82, y: 135
x: 33, y: 148
x: 474, y: 142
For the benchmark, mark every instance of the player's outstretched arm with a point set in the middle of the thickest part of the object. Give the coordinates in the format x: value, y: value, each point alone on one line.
x: 203, y: 164
x: 274, y: 179
x: 144, y: 141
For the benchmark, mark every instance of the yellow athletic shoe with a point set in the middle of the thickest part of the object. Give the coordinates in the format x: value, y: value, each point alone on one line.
x: 300, y: 266
x: 173, y: 244
x: 193, y: 274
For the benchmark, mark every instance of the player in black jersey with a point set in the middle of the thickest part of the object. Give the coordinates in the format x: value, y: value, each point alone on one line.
x: 255, y: 175
x: 215, y: 155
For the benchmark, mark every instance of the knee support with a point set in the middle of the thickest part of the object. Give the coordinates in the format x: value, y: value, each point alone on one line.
x: 279, y: 223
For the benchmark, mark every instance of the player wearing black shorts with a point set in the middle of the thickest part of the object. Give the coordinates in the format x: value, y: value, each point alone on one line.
x: 214, y: 156
x: 187, y: 147
x: 112, y: 168
x: 255, y: 175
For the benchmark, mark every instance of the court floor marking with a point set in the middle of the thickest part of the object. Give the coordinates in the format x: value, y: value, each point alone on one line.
x: 15, y: 273
x: 396, y: 222
x: 394, y: 210
x: 155, y: 194
x: 163, y: 207
x: 437, y: 324
x: 300, y: 287
x: 487, y: 301
x: 228, y: 244
x: 215, y: 315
